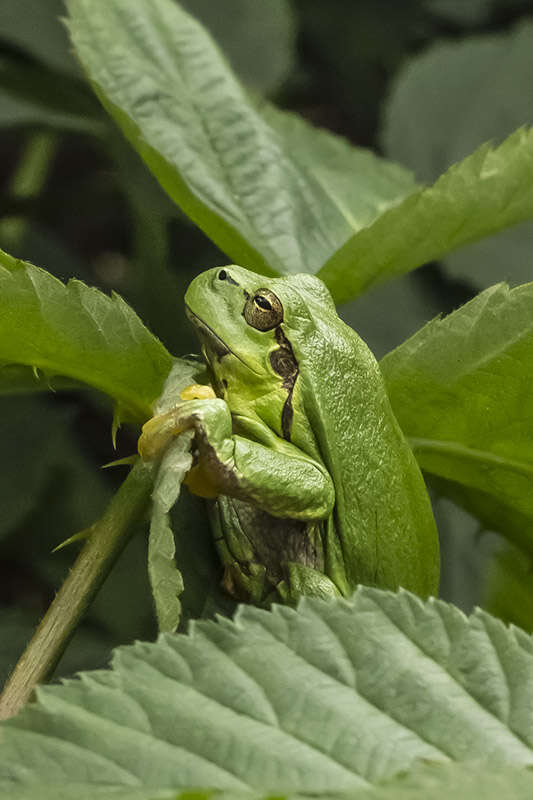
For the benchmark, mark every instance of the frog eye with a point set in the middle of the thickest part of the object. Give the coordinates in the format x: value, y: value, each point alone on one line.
x: 263, y: 310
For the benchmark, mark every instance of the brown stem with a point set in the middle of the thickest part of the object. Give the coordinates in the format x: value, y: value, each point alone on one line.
x: 107, y: 539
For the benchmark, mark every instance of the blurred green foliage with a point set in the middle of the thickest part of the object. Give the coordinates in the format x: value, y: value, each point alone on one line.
x: 77, y: 201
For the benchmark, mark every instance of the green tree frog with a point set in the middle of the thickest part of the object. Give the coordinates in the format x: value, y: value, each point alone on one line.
x: 313, y: 488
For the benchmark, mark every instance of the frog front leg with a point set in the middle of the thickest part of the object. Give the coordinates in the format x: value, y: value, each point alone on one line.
x: 283, y: 482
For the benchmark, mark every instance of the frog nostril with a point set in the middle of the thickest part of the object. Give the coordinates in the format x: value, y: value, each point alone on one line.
x: 223, y: 275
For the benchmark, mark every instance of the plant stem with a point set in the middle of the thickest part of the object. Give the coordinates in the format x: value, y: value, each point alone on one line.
x: 108, y: 537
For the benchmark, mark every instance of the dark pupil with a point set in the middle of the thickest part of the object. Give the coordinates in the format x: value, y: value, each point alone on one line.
x: 222, y: 275
x: 263, y: 303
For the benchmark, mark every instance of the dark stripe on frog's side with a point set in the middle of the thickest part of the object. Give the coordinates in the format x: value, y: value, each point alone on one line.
x: 284, y: 363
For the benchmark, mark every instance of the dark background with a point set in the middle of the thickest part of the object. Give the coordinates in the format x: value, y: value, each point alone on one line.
x: 421, y: 82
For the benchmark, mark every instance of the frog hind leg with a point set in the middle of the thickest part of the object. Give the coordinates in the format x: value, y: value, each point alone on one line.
x: 245, y: 584
x: 302, y: 580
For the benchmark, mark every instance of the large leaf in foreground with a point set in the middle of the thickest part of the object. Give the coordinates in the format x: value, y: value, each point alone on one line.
x: 332, y: 697
x: 490, y: 190
x: 461, y: 390
x: 440, y: 782
x: 79, y: 332
x: 163, y: 79
x: 425, y: 782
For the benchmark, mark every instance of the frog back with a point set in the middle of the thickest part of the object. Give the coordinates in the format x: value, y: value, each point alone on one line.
x: 382, y: 531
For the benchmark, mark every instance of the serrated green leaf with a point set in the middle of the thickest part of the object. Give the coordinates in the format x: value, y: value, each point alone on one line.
x: 464, y: 781
x: 165, y: 577
x: 442, y: 106
x: 199, y: 563
x: 332, y: 697
x: 80, y: 333
x: 490, y: 190
x: 16, y: 379
x: 162, y: 78
x: 78, y: 791
x: 427, y: 782
x: 460, y: 389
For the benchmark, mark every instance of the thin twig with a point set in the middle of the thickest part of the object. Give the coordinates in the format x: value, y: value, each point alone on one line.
x: 106, y: 541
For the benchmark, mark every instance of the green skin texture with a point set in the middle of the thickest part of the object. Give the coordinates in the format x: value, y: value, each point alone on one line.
x: 317, y: 488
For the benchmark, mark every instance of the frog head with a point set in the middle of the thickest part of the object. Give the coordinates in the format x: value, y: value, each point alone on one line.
x: 245, y: 323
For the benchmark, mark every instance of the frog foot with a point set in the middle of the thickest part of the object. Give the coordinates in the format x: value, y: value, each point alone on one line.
x: 302, y: 580
x: 159, y: 431
x: 245, y: 586
x: 157, y: 434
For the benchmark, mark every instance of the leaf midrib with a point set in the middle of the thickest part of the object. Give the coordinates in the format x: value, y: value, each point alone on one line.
x: 457, y: 450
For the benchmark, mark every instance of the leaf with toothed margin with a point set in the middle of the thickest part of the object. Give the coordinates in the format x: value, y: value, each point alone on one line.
x: 249, y: 178
x: 276, y: 201
x: 18, y: 379
x: 169, y: 472
x: 332, y: 697
x: 425, y: 782
x: 461, y: 390
x: 490, y: 190
x: 165, y: 577
x: 80, y: 333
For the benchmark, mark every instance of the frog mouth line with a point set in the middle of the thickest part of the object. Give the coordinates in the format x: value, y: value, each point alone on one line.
x: 218, y: 345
